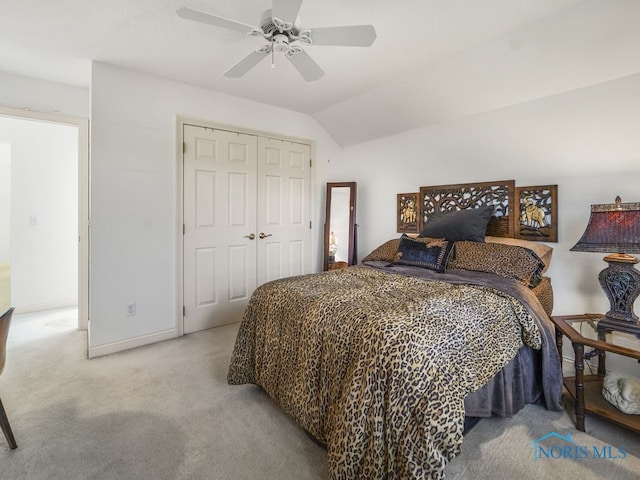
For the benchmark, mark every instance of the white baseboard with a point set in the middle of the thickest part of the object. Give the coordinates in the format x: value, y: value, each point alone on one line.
x: 109, y: 348
x: 590, y: 368
x: 45, y: 306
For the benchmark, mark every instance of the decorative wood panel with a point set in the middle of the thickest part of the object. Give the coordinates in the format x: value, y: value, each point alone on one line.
x: 272, y: 157
x: 408, y: 212
x: 205, y: 198
x: 447, y: 198
x: 272, y: 258
x: 237, y: 197
x: 272, y: 199
x: 206, y: 149
x: 537, y: 213
x: 239, y: 272
x: 297, y: 202
x: 296, y: 257
x: 205, y: 277
x: 296, y: 160
x: 238, y: 153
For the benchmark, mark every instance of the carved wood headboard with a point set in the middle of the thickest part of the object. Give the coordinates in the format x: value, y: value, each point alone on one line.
x: 447, y: 198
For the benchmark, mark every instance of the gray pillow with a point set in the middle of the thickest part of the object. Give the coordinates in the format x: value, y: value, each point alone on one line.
x: 470, y: 224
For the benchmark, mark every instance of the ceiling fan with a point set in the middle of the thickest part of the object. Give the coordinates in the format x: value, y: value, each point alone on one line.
x: 279, y: 26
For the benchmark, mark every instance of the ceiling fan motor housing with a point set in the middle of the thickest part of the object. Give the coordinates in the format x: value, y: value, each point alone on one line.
x: 271, y: 26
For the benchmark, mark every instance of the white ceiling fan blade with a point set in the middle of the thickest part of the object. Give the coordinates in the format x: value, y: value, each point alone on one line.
x: 304, y: 64
x: 286, y: 10
x: 215, y: 20
x: 348, y: 36
x: 248, y: 62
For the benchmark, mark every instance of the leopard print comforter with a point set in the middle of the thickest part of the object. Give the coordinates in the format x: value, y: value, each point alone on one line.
x: 377, y: 365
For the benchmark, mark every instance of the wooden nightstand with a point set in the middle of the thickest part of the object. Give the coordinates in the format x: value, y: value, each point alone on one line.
x: 586, y: 390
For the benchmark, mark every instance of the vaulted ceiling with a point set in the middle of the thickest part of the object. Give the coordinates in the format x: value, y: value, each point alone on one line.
x: 432, y: 60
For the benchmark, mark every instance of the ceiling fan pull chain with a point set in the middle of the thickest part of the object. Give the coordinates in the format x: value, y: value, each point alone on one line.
x: 273, y: 58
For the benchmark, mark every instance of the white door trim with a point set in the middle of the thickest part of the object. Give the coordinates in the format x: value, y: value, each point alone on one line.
x: 83, y: 198
x: 181, y: 121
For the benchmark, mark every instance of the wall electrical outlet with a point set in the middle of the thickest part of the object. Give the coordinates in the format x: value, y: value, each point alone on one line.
x: 131, y: 310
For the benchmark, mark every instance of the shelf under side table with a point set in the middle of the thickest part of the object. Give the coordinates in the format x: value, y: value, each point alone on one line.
x: 595, y: 403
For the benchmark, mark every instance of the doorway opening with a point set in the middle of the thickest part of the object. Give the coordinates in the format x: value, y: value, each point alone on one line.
x: 44, y: 220
x: 5, y: 225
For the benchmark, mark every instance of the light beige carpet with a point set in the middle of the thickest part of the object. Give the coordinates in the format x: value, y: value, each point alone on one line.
x: 166, y: 412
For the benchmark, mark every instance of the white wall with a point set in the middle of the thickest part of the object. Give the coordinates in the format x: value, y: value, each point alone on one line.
x: 42, y: 96
x: 44, y: 212
x: 5, y: 203
x: 586, y: 141
x: 133, y: 193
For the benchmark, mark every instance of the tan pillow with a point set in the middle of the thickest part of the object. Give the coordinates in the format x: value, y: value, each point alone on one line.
x: 543, y: 251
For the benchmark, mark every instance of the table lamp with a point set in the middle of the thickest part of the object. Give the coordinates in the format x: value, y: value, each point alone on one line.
x: 615, y: 228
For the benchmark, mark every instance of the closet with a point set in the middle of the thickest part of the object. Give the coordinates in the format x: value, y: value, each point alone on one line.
x: 246, y: 219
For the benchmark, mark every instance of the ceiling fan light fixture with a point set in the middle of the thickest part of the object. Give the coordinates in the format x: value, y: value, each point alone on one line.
x: 280, y: 43
x: 294, y: 50
x: 305, y: 36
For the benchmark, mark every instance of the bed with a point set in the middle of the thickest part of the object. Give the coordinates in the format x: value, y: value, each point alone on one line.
x: 383, y: 361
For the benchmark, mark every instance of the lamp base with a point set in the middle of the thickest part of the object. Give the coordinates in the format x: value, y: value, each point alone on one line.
x: 621, y: 283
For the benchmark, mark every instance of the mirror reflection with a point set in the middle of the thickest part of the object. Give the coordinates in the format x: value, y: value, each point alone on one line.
x: 340, y: 226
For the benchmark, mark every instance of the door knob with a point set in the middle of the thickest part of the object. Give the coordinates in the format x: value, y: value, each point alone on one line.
x: 251, y: 236
x: 263, y: 235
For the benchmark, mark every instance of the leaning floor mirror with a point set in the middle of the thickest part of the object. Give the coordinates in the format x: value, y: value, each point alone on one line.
x: 340, y: 246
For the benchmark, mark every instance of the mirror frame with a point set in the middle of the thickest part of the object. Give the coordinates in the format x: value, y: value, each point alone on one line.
x: 352, y: 252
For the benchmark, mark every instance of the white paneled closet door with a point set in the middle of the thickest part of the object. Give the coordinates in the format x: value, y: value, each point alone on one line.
x: 284, y: 228
x: 219, y: 245
x: 246, y: 214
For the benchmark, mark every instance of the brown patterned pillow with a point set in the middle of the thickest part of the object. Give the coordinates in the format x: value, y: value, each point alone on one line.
x: 385, y: 252
x: 508, y: 261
